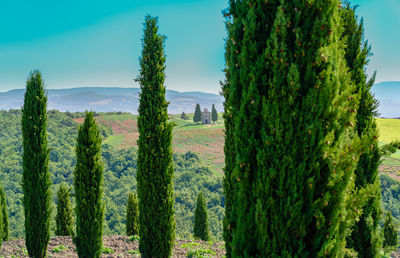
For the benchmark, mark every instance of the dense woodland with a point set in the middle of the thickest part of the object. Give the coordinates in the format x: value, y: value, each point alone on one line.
x: 191, y: 176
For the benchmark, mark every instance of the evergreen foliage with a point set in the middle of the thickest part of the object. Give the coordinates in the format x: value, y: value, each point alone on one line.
x: 88, y: 183
x: 184, y: 116
x: 296, y: 149
x: 155, y: 170
x: 214, y: 114
x: 389, y: 233
x: 3, y: 203
x: 35, y: 176
x: 132, y: 215
x: 365, y: 237
x: 64, y: 219
x: 201, y: 229
x: 197, y: 114
x: 230, y: 155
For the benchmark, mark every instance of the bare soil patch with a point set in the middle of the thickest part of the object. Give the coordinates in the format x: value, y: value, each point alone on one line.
x: 121, y: 246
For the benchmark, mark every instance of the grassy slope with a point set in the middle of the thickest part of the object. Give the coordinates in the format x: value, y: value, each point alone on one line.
x: 207, y: 140
x: 389, y: 130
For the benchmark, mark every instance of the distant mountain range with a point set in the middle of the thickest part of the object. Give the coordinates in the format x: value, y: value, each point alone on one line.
x: 105, y: 99
x: 388, y: 94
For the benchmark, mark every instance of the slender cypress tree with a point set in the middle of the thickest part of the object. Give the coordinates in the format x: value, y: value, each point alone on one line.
x: 132, y: 215
x: 390, y: 235
x: 201, y: 229
x: 36, y: 181
x: 365, y: 237
x: 3, y: 203
x: 214, y: 114
x: 88, y: 182
x: 155, y: 170
x: 64, y: 219
x: 295, y: 145
x: 197, y: 114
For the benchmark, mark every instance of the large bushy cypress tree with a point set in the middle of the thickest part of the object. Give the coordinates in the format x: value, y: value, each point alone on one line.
x: 365, y: 237
x: 64, y: 219
x: 294, y: 137
x: 197, y: 114
x: 201, y: 229
x: 132, y: 215
x: 155, y: 170
x: 88, y: 182
x: 36, y: 181
x: 3, y: 203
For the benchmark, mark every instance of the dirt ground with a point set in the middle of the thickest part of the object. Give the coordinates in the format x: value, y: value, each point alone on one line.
x: 118, y: 246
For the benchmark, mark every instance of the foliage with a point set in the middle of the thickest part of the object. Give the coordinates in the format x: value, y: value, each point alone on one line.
x: 155, y: 170
x: 214, y: 114
x: 4, y: 230
x: 184, y: 116
x: 197, y: 114
x: 59, y: 248
x: 201, y: 228
x: 107, y: 250
x: 230, y: 155
x: 390, y: 234
x: 200, y: 253
x: 365, y: 237
x: 36, y: 180
x: 132, y: 215
x: 64, y: 219
x: 296, y: 149
x: 88, y: 183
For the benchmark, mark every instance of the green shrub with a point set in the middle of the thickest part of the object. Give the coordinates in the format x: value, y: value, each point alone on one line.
x: 132, y: 215
x: 64, y: 219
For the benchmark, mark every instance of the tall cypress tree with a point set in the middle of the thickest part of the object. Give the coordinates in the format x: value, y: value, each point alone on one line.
x: 214, y: 114
x: 36, y: 181
x: 155, y: 170
x: 3, y: 203
x: 64, y: 219
x: 197, y: 114
x: 296, y: 149
x: 201, y: 229
x: 132, y: 215
x: 365, y: 237
x: 88, y: 182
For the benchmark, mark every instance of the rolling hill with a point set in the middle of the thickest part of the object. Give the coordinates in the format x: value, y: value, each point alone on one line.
x: 106, y: 99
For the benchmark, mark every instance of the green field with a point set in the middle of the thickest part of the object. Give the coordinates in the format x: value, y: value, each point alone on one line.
x: 389, y: 130
x: 206, y: 140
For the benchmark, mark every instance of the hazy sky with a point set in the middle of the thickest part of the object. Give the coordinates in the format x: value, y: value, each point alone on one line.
x: 97, y: 43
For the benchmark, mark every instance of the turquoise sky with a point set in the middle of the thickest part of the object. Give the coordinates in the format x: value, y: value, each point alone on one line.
x: 97, y: 43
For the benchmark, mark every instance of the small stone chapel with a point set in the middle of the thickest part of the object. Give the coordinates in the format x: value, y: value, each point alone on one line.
x: 206, y: 117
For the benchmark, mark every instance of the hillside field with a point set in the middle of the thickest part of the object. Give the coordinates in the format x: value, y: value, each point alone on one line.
x: 208, y: 140
x: 205, y: 140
